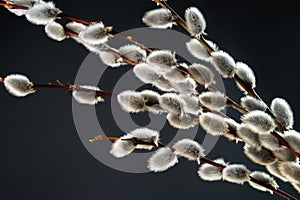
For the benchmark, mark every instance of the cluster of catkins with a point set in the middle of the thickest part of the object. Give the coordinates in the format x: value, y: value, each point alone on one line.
x: 267, y: 132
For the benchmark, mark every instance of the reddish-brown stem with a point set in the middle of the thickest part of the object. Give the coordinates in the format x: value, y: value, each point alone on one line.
x: 12, y: 6
x: 102, y: 138
x: 124, y: 59
x: 70, y: 33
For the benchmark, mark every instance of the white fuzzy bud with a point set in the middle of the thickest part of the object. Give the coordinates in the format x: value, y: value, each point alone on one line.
x: 213, y: 124
x: 182, y: 121
x: 18, y: 85
x: 164, y: 59
x: 174, y: 75
x: 133, y: 52
x: 251, y: 104
x: 203, y: 75
x: 151, y: 100
x: 283, y: 154
x: 274, y: 170
x: 189, y: 149
x: 213, y: 100
x: 42, y: 13
x: 187, y: 86
x: 55, y: 31
x: 236, y: 174
x: 146, y: 73
x: 159, y: 18
x: 223, y: 63
x: 131, y: 101
x: 122, y: 147
x: 260, y: 156
x: 208, y: 172
x: 94, y: 34
x: 264, y: 178
x: 110, y: 59
x: 245, y: 73
x: 76, y: 27
x: 172, y: 103
x: 162, y: 160
x: 195, y: 21
x: 248, y: 135
x: 147, y: 136
x: 26, y: 3
x: 293, y: 139
x: 291, y: 170
x: 86, y: 94
x: 282, y: 112
x: 191, y: 104
x: 269, y: 141
x: 259, y: 121
x: 232, y: 127
x: 197, y: 50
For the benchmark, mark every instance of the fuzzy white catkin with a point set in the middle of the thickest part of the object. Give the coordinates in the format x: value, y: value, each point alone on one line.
x: 55, y: 31
x: 208, y: 172
x: 245, y: 73
x: 172, y: 103
x: 293, y: 139
x: 260, y: 156
x: 85, y: 94
x: 164, y: 85
x: 251, y: 104
x: 174, y: 75
x: 274, y: 170
x: 76, y: 27
x: 146, y: 135
x: 163, y: 59
x: 236, y: 174
x: 283, y: 112
x: 146, y: 73
x: 131, y: 101
x: 264, y: 178
x: 195, y: 21
x: 110, y: 59
x: 94, y: 34
x: 283, y: 154
x: 133, y: 52
x: 159, y: 18
x: 185, y: 121
x: 291, y: 171
x: 213, y: 124
x: 122, y: 148
x: 187, y: 86
x: 197, y: 50
x: 213, y: 100
x: 18, y: 85
x: 26, y: 3
x: 202, y: 74
x: 232, y: 127
x: 191, y: 104
x: 259, y: 121
x: 42, y: 13
x: 248, y: 135
x: 189, y: 149
x: 223, y: 63
x: 162, y: 160
x: 269, y: 141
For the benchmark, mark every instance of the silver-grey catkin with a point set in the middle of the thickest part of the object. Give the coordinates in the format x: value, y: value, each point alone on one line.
x: 195, y: 21
x: 213, y: 100
x: 208, y: 172
x: 185, y: 121
x: 248, y: 135
x: 236, y: 174
x: 213, y: 124
x: 245, y: 73
x: 202, y: 74
x: 259, y: 121
x: 189, y: 149
x: 131, y: 101
x: 291, y: 170
x: 172, y: 103
x: 264, y: 178
x: 162, y: 160
x: 223, y: 63
x: 251, y: 104
x: 260, y: 156
x: 283, y: 112
x: 159, y: 18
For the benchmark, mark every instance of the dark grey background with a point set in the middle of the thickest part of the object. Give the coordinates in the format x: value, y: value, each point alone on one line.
x: 41, y: 154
